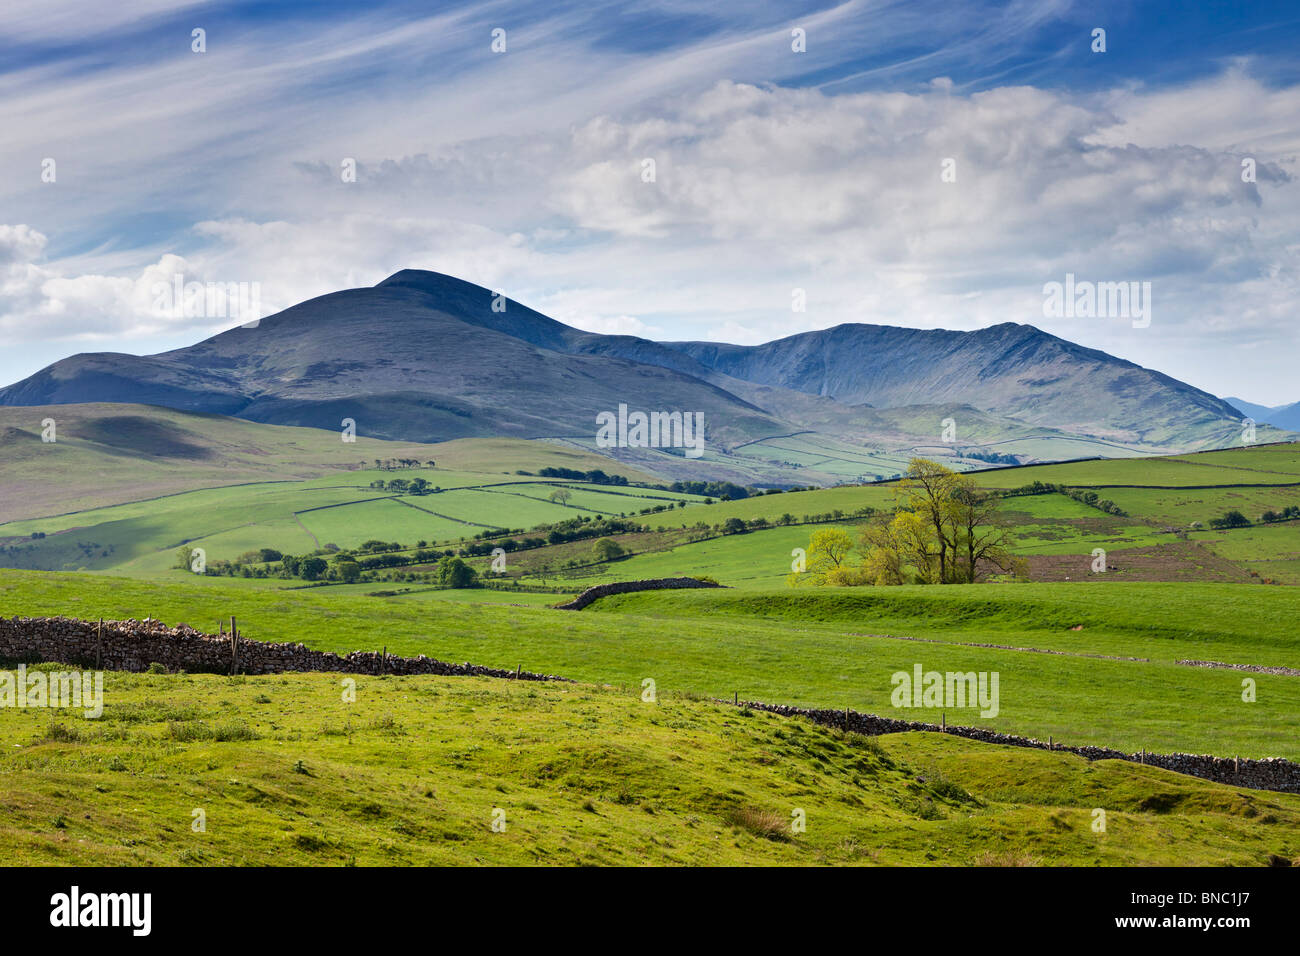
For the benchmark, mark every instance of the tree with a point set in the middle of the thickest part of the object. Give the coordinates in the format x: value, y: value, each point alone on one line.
x: 945, y: 530
x: 313, y: 568
x: 607, y: 549
x: 734, y: 526
x: 455, y: 573
x: 561, y: 495
x: 348, y: 569
x: 978, y: 533
x: 927, y: 491
x: 897, y: 551
x: 828, y: 550
x: 1230, y: 519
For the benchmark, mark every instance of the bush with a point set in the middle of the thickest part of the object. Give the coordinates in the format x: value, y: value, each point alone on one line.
x: 455, y: 573
x: 313, y: 568
x: 607, y: 549
x: 1230, y: 519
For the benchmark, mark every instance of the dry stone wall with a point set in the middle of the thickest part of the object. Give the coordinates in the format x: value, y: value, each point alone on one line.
x: 625, y: 587
x: 1271, y: 773
x: 134, y: 645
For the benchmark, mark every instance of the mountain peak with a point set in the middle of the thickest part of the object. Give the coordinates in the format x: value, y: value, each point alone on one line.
x: 426, y: 280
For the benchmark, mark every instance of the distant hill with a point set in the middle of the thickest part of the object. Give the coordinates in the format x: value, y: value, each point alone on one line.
x: 1008, y: 369
x: 427, y: 357
x: 1280, y: 416
x: 106, y: 454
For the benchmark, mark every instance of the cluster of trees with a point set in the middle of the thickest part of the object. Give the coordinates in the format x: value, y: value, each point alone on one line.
x: 1235, y: 519
x: 575, y: 529
x: 945, y: 530
x: 407, y: 486
x: 393, y: 464
x: 478, y: 549
x: 992, y: 457
x: 1081, y: 495
x: 347, y: 567
x: 595, y: 476
x: 722, y: 490
x: 1230, y: 519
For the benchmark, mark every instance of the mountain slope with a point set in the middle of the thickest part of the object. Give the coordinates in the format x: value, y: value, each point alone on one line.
x: 1008, y: 369
x: 1280, y: 416
x: 408, y: 359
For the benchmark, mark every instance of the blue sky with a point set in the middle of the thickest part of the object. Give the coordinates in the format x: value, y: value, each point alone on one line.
x: 775, y: 170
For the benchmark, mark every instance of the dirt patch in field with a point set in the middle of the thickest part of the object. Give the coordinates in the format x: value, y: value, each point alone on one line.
x: 1176, y: 561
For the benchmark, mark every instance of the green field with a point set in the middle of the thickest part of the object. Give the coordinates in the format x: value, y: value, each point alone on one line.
x: 479, y: 490
x: 816, y: 647
x: 587, y: 773
x: 299, y: 517
x: 417, y: 770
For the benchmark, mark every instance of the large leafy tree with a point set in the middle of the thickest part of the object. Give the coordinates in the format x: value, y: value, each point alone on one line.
x: 944, y: 530
x: 826, y: 560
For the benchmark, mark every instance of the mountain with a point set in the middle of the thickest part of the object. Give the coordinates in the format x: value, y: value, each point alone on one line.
x: 427, y: 357
x: 1008, y: 369
x: 1280, y: 416
x: 419, y: 357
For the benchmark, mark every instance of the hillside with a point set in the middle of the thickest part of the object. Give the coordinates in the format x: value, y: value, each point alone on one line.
x: 108, y: 454
x: 418, y: 769
x: 420, y: 362
x: 813, y: 647
x: 1008, y: 369
x: 1280, y: 416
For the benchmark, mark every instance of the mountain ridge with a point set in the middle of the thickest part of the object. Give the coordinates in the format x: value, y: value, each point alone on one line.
x: 423, y: 356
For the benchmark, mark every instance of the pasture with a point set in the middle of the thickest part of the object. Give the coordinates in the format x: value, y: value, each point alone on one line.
x: 214, y: 771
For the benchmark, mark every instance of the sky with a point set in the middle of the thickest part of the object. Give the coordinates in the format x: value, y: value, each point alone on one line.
x: 931, y: 165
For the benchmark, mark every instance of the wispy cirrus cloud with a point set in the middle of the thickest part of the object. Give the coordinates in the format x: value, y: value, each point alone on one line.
x: 773, y: 170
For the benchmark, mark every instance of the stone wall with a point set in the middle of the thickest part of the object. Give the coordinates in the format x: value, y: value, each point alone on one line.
x: 625, y: 587
x: 1271, y: 773
x: 134, y: 645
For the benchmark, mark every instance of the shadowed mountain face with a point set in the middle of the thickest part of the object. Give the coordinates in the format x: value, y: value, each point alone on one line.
x: 1281, y: 416
x: 1012, y: 370
x: 426, y: 357
x: 421, y: 357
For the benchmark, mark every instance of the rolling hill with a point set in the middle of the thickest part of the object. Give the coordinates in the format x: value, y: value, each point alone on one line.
x: 108, y: 454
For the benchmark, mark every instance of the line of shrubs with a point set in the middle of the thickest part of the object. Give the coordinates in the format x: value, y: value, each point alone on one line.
x: 1081, y: 495
x: 1235, y: 519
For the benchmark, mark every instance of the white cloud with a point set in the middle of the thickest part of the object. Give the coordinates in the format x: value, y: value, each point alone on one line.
x: 526, y: 175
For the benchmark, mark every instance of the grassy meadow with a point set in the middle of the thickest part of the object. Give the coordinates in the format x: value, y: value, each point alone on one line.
x: 279, y: 770
x: 588, y: 773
